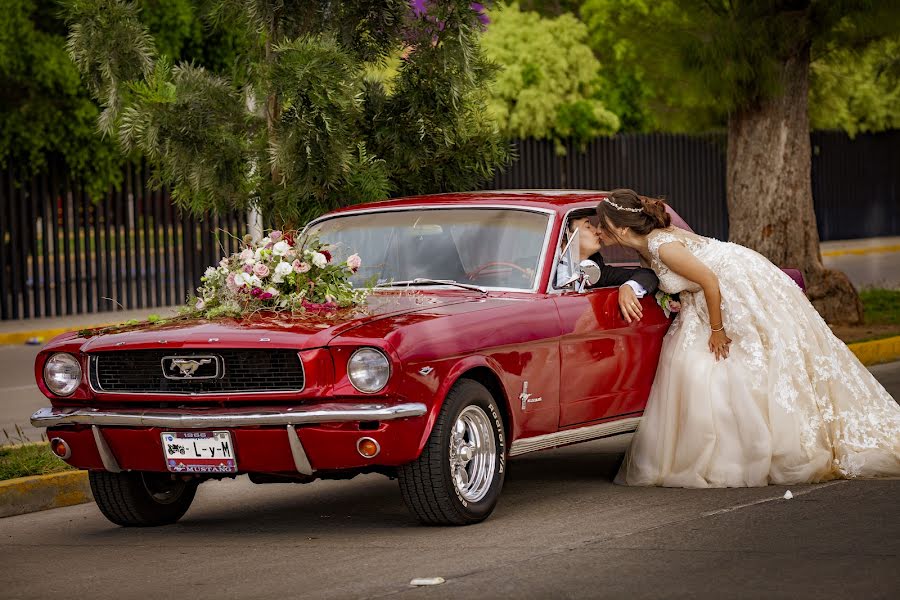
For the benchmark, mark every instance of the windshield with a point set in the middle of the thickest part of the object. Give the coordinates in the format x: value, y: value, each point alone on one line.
x: 490, y: 247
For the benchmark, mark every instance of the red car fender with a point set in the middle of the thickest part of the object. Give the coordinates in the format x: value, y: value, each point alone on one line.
x: 456, y: 371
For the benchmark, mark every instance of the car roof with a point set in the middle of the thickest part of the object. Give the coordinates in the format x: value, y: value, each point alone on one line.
x: 559, y: 201
x: 556, y: 200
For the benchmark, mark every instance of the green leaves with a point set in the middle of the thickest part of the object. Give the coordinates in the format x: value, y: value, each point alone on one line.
x: 682, y: 65
x: 548, y: 86
x: 191, y: 125
x: 299, y: 131
x: 110, y: 47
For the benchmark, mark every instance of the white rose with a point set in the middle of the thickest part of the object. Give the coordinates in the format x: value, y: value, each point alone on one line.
x: 247, y: 256
x: 272, y: 291
x: 281, y: 270
x: 281, y: 248
x: 241, y: 279
x: 319, y: 260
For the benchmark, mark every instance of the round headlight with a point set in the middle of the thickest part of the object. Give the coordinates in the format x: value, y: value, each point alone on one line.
x: 62, y: 374
x: 368, y: 370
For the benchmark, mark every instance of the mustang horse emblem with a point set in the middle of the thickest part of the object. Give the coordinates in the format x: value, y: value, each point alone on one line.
x: 188, y: 366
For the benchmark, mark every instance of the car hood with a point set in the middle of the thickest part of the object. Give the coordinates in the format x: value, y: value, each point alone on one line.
x: 309, y: 330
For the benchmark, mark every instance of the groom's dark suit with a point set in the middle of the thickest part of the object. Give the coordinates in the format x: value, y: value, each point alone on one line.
x: 616, y: 276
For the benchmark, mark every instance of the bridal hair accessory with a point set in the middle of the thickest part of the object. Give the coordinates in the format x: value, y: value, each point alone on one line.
x: 617, y: 207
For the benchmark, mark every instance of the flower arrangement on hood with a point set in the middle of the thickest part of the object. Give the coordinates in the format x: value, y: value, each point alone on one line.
x: 277, y: 273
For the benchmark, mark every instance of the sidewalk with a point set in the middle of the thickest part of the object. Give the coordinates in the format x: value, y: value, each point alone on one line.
x: 40, y: 331
x: 860, y: 247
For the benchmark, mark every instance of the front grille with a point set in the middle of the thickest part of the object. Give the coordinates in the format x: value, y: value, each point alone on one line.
x: 141, y: 371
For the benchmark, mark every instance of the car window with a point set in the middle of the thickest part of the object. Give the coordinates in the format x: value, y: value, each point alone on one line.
x: 612, y: 255
x: 493, y: 247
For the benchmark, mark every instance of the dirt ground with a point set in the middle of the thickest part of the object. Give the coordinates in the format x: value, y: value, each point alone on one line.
x: 864, y: 333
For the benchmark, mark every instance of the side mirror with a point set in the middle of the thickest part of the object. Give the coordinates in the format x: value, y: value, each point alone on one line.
x: 591, y: 271
x: 588, y: 274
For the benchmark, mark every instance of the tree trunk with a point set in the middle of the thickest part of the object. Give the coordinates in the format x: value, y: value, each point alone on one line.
x: 770, y: 205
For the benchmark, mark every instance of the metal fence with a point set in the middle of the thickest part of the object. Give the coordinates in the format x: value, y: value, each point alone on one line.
x: 856, y: 182
x: 61, y: 254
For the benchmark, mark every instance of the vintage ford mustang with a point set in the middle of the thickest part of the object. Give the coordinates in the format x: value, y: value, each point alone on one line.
x: 465, y: 354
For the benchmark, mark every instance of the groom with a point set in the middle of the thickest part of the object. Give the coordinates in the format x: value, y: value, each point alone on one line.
x: 633, y: 283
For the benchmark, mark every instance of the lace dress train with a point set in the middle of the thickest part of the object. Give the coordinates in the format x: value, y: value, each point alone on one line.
x: 791, y: 404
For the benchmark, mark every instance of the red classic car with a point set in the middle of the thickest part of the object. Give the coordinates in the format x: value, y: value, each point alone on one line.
x: 465, y: 354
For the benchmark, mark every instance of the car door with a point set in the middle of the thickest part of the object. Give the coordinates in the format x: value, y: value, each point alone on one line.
x: 594, y: 351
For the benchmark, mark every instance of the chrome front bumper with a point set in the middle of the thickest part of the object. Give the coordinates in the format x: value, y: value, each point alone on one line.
x: 198, y: 418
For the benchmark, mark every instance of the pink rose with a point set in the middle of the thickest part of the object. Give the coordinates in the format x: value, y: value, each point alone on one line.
x: 275, y: 235
x: 354, y: 262
x: 300, y: 267
x: 248, y: 269
x: 230, y: 284
x: 260, y: 270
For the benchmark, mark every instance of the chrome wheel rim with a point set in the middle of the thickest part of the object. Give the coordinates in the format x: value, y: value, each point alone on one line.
x: 473, y: 454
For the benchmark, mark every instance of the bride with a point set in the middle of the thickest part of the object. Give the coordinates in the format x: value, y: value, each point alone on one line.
x: 752, y: 387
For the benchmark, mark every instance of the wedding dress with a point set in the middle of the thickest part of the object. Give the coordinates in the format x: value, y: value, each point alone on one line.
x: 791, y: 404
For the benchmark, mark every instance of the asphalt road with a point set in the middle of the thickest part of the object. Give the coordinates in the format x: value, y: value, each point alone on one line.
x: 881, y: 269
x: 561, y: 530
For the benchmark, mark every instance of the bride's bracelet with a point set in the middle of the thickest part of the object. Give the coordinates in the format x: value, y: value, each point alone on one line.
x: 721, y: 328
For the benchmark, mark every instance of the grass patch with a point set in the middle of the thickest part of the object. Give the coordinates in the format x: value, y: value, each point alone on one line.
x: 881, y: 311
x: 882, y: 307
x: 23, y: 460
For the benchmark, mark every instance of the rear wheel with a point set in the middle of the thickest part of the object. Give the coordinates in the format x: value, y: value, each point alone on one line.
x: 458, y: 477
x: 137, y: 499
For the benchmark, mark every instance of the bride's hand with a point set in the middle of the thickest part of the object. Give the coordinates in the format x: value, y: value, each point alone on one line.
x: 719, y: 344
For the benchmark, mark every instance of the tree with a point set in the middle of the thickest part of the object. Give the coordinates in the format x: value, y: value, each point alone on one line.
x: 751, y: 61
x: 297, y: 128
x: 47, y: 113
x: 548, y: 84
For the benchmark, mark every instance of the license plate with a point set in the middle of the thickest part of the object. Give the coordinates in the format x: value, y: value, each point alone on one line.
x: 199, y: 451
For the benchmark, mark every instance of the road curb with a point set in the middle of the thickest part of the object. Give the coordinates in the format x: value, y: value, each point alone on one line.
x: 40, y: 492
x: 877, y: 351
x: 861, y: 251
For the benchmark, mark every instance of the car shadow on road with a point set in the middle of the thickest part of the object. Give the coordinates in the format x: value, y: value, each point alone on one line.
x: 368, y: 503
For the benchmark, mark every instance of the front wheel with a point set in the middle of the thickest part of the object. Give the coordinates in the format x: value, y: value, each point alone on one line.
x: 458, y: 477
x: 137, y: 499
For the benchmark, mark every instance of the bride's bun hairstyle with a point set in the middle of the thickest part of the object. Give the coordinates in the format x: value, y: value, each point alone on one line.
x: 624, y: 208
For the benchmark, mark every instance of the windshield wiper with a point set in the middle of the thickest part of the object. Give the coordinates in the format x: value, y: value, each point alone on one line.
x: 426, y: 281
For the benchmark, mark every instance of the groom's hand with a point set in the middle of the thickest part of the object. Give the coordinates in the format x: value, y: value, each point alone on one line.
x: 629, y: 304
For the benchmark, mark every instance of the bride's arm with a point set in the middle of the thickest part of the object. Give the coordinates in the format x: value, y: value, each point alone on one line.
x: 681, y: 261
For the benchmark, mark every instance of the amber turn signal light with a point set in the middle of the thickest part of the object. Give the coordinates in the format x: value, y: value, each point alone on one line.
x: 367, y: 447
x: 60, y: 448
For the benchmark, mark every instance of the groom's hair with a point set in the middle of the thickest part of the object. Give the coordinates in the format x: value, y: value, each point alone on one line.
x: 592, y: 218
